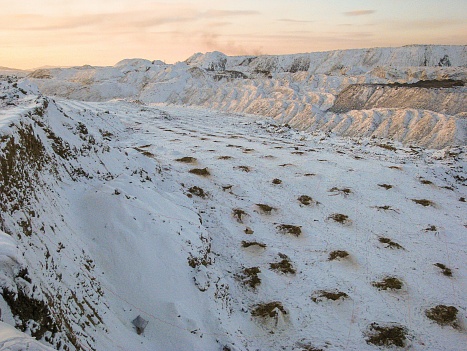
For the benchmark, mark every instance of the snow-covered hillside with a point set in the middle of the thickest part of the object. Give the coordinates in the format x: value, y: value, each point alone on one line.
x: 223, y: 231
x: 300, y: 89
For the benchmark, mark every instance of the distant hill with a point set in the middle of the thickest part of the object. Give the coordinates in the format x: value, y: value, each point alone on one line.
x: 301, y: 90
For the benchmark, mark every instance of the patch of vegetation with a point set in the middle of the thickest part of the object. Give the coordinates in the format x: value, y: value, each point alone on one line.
x: 337, y: 255
x: 200, y: 171
x: 396, y: 168
x: 389, y: 335
x: 318, y: 296
x: 425, y: 181
x: 446, y: 271
x: 227, y: 187
x: 21, y: 161
x: 284, y: 266
x: 269, y: 309
x: 249, y: 277
x: 286, y: 165
x: 238, y: 213
x: 276, y: 181
x: 443, y: 315
x: 26, y: 308
x: 290, y: 229
x: 343, y: 191
x: 423, y: 202
x: 386, y: 208
x: 309, y: 174
x: 248, y: 231
x: 339, y: 218
x: 246, y: 244
x: 244, y: 168
x: 385, y: 186
x: 145, y: 152
x: 266, y: 209
x: 186, y: 159
x: 197, y: 191
x: 390, y: 244
x: 305, y: 200
x: 203, y: 257
x: 224, y: 157
x: 387, y: 147
x: 388, y: 283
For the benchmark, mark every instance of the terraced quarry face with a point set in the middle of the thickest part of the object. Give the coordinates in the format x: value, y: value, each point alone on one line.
x: 360, y: 244
x: 412, y: 94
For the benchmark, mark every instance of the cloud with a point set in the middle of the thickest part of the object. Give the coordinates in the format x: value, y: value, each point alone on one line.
x: 290, y: 20
x: 227, y: 13
x: 359, y: 12
x: 110, y: 21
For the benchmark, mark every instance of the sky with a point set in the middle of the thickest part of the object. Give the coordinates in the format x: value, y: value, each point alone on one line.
x: 102, y: 32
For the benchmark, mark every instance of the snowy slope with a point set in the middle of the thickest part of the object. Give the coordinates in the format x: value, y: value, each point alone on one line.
x: 296, y: 89
x: 105, y: 224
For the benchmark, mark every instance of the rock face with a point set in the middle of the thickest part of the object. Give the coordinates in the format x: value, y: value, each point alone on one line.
x: 448, y: 101
x: 296, y: 89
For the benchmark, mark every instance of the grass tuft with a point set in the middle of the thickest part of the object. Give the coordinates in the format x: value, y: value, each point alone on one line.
x: 423, y: 202
x: 249, y: 277
x: 244, y: 168
x: 318, y: 296
x: 265, y: 208
x: 339, y: 218
x: 186, y: 159
x: 443, y: 315
x: 246, y: 244
x: 385, y: 186
x: 337, y: 255
x: 387, y: 147
x: 284, y: 266
x: 197, y: 191
x: 446, y: 271
x: 343, y: 191
x: 238, y: 213
x: 269, y: 309
x: 200, y: 171
x: 290, y: 229
x: 390, y: 335
x: 390, y: 244
x: 305, y: 200
x: 389, y: 283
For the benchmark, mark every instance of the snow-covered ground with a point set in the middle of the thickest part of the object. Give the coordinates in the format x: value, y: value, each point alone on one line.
x: 296, y: 89
x: 106, y: 222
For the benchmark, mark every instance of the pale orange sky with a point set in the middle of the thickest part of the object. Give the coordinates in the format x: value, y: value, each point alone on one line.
x: 69, y: 32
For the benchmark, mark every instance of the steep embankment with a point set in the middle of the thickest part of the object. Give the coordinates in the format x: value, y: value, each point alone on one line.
x: 85, y: 219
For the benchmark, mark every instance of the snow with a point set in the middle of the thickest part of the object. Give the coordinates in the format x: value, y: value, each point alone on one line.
x: 13, y: 340
x: 116, y: 231
x: 296, y: 89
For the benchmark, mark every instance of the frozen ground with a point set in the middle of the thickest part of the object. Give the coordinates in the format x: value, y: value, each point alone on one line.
x: 114, y: 227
